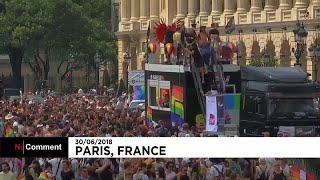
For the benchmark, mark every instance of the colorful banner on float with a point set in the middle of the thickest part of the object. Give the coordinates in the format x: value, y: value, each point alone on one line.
x: 232, y: 108
x: 177, y: 108
x: 299, y: 174
x: 295, y: 170
x: 138, y: 92
x: 211, y: 114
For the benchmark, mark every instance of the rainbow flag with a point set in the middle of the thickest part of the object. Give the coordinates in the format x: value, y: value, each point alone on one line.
x: 9, y: 132
x: 177, y: 108
x: 43, y: 176
x: 295, y: 170
x: 149, y: 118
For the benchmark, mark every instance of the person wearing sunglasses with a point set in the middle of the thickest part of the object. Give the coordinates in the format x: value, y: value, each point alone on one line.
x: 183, y: 174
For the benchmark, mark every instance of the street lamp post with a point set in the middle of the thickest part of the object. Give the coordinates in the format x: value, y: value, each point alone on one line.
x: 239, y: 52
x: 97, y: 60
x: 314, y: 51
x: 71, y: 62
x: 126, y: 62
x: 300, y: 36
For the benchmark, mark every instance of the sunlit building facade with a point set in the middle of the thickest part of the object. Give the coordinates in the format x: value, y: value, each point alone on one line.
x: 260, y: 24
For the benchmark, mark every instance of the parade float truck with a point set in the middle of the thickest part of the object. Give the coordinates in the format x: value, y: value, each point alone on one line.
x: 256, y: 99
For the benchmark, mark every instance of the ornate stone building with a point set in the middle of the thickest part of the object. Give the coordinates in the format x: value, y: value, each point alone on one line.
x: 260, y: 24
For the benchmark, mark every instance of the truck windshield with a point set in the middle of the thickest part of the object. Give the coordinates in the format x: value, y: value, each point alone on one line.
x: 294, y: 107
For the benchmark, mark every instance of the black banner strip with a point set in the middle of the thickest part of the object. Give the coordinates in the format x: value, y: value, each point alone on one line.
x: 34, y: 147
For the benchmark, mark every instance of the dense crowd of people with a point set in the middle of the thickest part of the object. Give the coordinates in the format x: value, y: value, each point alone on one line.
x: 105, y: 116
x: 144, y: 169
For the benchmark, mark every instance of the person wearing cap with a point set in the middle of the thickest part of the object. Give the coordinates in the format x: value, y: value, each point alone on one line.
x: 9, y: 116
x: 193, y: 50
x: 215, y: 39
x: 15, y: 129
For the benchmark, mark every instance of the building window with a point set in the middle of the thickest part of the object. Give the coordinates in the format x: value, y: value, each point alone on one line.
x: 153, y: 96
x: 153, y: 93
x: 159, y: 95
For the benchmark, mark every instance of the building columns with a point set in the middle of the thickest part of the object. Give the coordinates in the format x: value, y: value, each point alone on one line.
x: 193, y: 8
x: 125, y: 10
x: 217, y: 6
x: 256, y: 5
x: 182, y: 8
x: 144, y: 9
x: 229, y: 6
x: 270, y: 5
x: 285, y: 4
x: 204, y: 4
x: 135, y: 10
x: 242, y: 5
x: 315, y: 2
x: 154, y: 9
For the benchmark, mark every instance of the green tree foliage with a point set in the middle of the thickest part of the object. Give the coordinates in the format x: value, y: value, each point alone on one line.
x: 50, y: 30
x: 258, y: 62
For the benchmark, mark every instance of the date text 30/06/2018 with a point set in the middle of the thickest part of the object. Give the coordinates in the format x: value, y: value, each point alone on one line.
x: 121, y: 151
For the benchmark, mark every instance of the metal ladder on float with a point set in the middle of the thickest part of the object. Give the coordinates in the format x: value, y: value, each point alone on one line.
x: 219, y: 81
x: 199, y: 89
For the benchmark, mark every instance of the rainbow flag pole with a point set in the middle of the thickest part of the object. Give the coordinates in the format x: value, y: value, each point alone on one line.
x: 9, y: 132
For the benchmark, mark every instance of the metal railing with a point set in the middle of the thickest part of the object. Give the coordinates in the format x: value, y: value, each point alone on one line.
x: 218, y: 68
x: 198, y: 88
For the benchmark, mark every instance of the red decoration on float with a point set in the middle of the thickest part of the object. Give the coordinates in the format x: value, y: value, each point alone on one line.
x: 161, y: 27
x: 170, y: 48
x: 152, y: 48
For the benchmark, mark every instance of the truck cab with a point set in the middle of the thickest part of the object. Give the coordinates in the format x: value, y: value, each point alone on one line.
x: 278, y: 100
